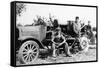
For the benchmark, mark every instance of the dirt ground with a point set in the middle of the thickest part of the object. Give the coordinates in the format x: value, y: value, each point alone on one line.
x: 88, y: 56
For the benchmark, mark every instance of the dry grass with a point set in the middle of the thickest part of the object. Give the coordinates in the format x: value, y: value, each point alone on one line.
x: 88, y: 56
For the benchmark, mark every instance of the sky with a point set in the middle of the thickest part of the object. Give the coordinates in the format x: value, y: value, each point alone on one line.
x: 62, y: 13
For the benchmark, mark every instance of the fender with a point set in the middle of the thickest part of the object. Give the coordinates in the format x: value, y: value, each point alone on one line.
x: 24, y: 39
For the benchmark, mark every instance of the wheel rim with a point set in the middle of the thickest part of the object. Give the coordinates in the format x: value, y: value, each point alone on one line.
x: 29, y: 52
x: 84, y: 44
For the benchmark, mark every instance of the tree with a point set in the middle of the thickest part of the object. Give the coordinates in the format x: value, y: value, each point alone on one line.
x: 20, y: 7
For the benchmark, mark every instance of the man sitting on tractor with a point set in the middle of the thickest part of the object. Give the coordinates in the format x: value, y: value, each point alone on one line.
x: 77, y: 26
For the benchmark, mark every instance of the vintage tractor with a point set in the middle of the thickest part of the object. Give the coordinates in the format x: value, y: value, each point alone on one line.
x: 31, y: 40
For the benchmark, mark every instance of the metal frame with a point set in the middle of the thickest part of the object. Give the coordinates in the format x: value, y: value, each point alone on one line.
x: 13, y: 32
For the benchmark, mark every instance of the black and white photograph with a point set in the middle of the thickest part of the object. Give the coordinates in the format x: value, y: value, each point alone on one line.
x: 54, y: 33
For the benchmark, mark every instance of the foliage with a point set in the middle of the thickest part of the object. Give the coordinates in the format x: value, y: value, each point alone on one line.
x: 19, y: 8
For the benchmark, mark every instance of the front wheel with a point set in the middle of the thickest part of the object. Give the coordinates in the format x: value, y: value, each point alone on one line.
x: 28, y: 52
x: 84, y: 44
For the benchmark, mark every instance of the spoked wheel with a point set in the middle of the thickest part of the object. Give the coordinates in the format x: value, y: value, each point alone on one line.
x: 28, y: 52
x: 84, y: 44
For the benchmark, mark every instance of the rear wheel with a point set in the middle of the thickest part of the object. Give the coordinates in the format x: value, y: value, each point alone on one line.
x: 28, y: 52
